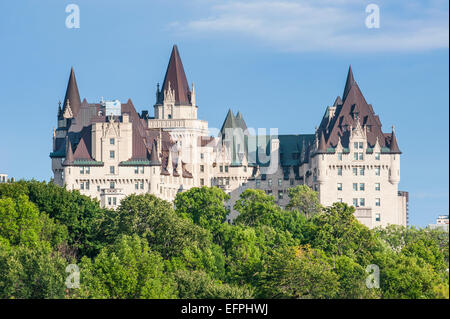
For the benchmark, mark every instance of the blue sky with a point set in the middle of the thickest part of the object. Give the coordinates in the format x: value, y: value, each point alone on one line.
x: 279, y: 62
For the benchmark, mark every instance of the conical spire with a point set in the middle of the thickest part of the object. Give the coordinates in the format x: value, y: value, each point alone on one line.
x: 60, y: 114
x: 349, y: 83
x: 338, y: 101
x: 177, y: 78
x: 240, y: 121
x: 69, y: 154
x: 154, y: 160
x: 72, y: 94
x: 394, y: 146
x: 322, y: 144
x: 230, y: 122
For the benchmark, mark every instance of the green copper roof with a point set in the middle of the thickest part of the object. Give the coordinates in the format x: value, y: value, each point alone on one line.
x: 81, y: 162
x: 136, y: 162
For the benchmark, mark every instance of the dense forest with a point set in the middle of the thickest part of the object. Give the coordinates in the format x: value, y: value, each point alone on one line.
x: 149, y: 249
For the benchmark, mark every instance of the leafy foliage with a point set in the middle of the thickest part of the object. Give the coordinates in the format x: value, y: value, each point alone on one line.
x: 148, y: 249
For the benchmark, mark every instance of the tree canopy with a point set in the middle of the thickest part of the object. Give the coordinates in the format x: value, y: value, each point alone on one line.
x: 150, y: 248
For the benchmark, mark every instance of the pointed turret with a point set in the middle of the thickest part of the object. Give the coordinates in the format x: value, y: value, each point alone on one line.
x: 72, y: 94
x: 337, y: 102
x: 229, y: 123
x: 177, y: 78
x: 69, y: 153
x: 322, y: 144
x: 60, y: 113
x: 240, y: 121
x: 154, y: 159
x: 394, y: 146
x: 349, y: 83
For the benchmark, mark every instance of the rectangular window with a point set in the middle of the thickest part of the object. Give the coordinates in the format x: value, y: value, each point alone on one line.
x: 280, y: 182
x: 362, y: 202
x: 136, y: 186
x: 112, y: 185
x: 111, y: 169
x: 114, y: 201
x: 87, y: 170
x: 202, y: 181
x: 377, y: 156
x: 136, y: 170
x: 227, y: 181
x: 87, y: 185
x: 280, y: 194
x: 361, y: 186
x: 109, y: 201
x: 270, y: 182
x: 111, y: 154
x: 355, y: 186
x: 355, y: 202
x: 339, y: 171
x: 377, y: 202
x: 245, y: 169
x: 339, y: 186
x: 142, y: 169
x: 339, y: 156
x: 355, y: 145
x: 82, y: 170
x: 339, y: 200
x: 202, y: 168
x: 82, y: 185
x: 98, y: 188
x: 141, y: 184
x: 378, y: 217
x: 221, y: 169
x: 361, y: 145
x: 111, y: 141
x: 226, y: 169
x: 361, y: 171
x: 377, y: 186
x: 355, y: 156
x: 202, y: 156
x: 355, y: 171
x: 269, y: 192
x: 377, y: 171
x: 258, y: 182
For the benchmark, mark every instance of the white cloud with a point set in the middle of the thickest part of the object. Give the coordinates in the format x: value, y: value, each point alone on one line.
x: 318, y: 25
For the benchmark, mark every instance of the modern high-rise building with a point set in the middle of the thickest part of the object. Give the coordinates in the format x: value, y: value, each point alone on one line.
x: 3, y: 178
x: 108, y: 150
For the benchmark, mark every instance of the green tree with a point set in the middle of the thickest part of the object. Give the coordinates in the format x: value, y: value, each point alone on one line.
x: 198, y: 285
x: 203, y: 205
x: 155, y: 220
x: 126, y: 269
x: 337, y: 232
x: 299, y: 272
x: 352, y: 280
x: 257, y: 208
x: 31, y: 272
x: 20, y: 222
x: 304, y: 199
x: 80, y: 214
x: 408, y: 277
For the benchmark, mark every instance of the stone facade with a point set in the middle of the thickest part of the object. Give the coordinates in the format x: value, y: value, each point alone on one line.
x: 107, y: 151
